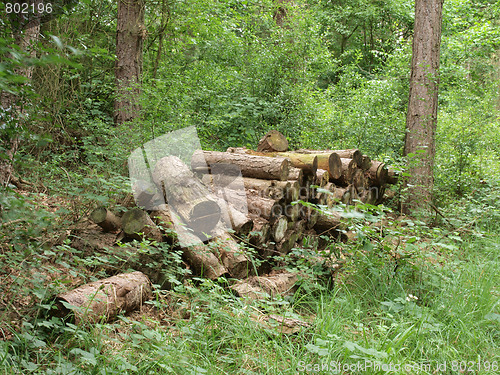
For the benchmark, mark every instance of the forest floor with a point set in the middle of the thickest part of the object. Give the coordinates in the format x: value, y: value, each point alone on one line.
x: 417, y: 299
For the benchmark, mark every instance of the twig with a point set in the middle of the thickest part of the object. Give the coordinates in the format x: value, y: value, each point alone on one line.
x: 440, y: 214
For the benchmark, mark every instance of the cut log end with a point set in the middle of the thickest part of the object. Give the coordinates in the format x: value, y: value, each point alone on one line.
x: 108, y: 221
x: 273, y: 141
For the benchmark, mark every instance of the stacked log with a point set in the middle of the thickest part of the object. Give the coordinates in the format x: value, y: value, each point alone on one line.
x: 268, y: 199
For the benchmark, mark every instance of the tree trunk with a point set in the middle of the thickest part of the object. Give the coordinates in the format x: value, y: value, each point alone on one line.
x: 421, y: 118
x: 186, y: 194
x: 296, y: 174
x: 102, y: 300
x: 392, y: 176
x: 234, y: 218
x: 130, y: 34
x: 326, y: 160
x: 250, y: 165
x: 327, y: 221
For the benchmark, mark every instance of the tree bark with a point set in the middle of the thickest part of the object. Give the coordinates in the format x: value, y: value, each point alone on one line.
x: 421, y: 117
x: 250, y: 165
x: 307, y: 162
x: 130, y: 34
x: 102, y: 300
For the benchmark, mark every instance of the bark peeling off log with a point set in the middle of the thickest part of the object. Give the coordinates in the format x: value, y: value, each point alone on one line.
x: 104, y: 299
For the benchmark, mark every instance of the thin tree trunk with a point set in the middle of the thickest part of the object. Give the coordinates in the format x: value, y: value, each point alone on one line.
x: 421, y: 118
x: 130, y: 33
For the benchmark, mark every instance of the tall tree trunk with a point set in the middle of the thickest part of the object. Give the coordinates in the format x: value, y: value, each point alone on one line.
x: 25, y: 32
x: 130, y: 34
x: 421, y: 118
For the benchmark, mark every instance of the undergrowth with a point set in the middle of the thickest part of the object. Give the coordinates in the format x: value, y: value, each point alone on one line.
x: 420, y: 296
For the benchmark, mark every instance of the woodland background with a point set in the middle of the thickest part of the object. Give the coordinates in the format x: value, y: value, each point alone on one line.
x: 327, y: 74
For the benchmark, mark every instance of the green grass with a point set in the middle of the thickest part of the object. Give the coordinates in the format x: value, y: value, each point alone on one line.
x: 206, y: 330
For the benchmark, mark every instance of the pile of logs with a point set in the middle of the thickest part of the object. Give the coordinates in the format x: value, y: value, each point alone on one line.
x: 224, y: 203
x: 266, y: 199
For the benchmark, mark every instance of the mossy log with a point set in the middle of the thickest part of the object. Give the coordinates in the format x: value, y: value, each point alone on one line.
x: 137, y: 225
x: 107, y: 220
x: 187, y: 195
x: 255, y: 166
x: 273, y: 141
x: 103, y: 300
